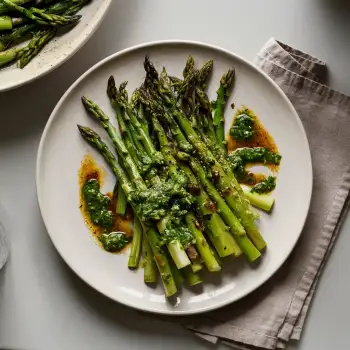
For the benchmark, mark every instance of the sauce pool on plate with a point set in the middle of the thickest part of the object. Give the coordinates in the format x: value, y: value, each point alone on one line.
x: 89, y: 170
x: 260, y: 138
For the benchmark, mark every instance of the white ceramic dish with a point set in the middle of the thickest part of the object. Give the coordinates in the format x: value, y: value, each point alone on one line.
x: 59, y: 50
x: 62, y: 150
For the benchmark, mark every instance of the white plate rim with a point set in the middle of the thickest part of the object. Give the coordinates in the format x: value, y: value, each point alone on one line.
x: 63, y: 58
x: 203, y: 45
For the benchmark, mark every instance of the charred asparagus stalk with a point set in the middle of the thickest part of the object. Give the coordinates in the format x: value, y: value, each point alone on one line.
x: 153, y: 238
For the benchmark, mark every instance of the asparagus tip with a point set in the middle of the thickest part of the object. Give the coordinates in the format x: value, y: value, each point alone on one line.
x: 149, y: 68
x: 88, y: 103
x: 122, y: 96
x: 122, y: 86
x: 111, y: 88
x: 85, y: 101
x: 227, y: 78
x: 88, y: 134
x: 188, y: 67
x: 81, y: 128
x: 208, y: 66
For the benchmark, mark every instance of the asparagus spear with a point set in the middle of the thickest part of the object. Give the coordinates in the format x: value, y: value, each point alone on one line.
x: 191, y: 278
x: 215, y: 228
x: 144, y: 137
x: 121, y: 201
x: 262, y: 201
x: 226, y: 83
x: 36, y: 45
x: 227, y: 186
x: 156, y: 107
x: 41, y: 17
x: 119, y: 101
x: 175, y: 247
x: 70, y: 8
x: 4, y: 8
x: 140, y: 114
x: 141, y: 152
x: 134, y: 256
x: 160, y: 257
x: 24, y: 32
x: 28, y: 52
x: 208, y: 136
x: 67, y: 7
x: 201, y: 243
x: 149, y: 265
x: 10, y: 56
x: 124, y: 131
x: 202, y: 77
x: 6, y: 23
x: 162, y: 262
x: 18, y: 35
x: 179, y: 279
x: 201, y: 104
x: 238, y: 203
x: 135, y: 148
x: 196, y: 266
x: 204, y: 73
x: 234, y: 224
x: 189, y: 67
x: 178, y: 254
x: 128, y: 163
x: 203, y: 107
x: 15, y: 22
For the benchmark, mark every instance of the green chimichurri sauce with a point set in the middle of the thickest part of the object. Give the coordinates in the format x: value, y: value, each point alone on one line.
x: 99, y: 210
x: 250, y: 143
x: 114, y: 241
x: 243, y: 127
x: 177, y: 231
x: 265, y: 186
x: 97, y: 204
x: 242, y: 156
x: 260, y: 138
x: 168, y: 198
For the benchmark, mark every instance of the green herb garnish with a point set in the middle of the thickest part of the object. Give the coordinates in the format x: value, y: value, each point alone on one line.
x: 97, y: 204
x: 114, y: 241
x: 242, y: 128
x: 265, y: 186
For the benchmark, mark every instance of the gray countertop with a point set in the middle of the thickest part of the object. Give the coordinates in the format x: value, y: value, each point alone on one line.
x: 43, y: 305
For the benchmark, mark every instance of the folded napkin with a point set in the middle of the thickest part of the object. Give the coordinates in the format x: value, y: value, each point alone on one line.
x: 276, y: 312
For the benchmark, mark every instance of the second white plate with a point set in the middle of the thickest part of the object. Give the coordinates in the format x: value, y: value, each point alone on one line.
x: 62, y: 150
x: 58, y: 50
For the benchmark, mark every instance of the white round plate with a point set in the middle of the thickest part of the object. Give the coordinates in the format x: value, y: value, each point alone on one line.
x: 59, y: 50
x: 62, y: 149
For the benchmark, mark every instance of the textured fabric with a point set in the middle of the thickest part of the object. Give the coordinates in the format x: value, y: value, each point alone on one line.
x: 275, y: 313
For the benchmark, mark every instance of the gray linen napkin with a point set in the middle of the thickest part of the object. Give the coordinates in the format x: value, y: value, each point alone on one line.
x: 275, y: 313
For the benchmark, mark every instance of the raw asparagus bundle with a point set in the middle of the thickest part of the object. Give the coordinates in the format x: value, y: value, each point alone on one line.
x: 38, y: 21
